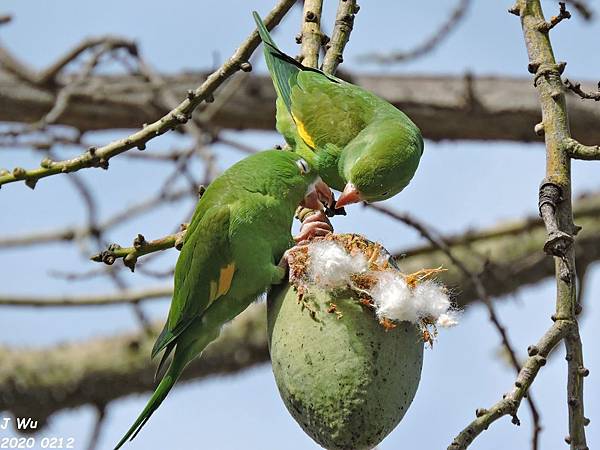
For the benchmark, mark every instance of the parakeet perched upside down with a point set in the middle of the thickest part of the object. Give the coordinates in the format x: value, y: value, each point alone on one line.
x: 238, y: 233
x: 359, y: 143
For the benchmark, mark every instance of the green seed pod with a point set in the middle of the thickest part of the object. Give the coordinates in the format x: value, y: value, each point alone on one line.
x: 344, y: 378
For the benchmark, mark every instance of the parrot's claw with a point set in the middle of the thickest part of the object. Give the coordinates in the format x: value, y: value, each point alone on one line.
x: 324, y: 193
x: 319, y: 195
x: 283, y: 266
x: 317, y: 224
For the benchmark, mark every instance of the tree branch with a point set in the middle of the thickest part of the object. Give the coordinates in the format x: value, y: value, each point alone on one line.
x: 99, y: 157
x: 74, y: 233
x: 37, y: 383
x: 556, y: 211
x: 504, y: 257
x: 507, y: 107
x: 428, y: 44
x: 582, y: 8
x: 344, y: 21
x: 555, y: 200
x: 576, y: 88
x: 580, y: 151
x: 117, y: 298
x: 97, y: 430
x: 140, y: 247
x: 511, y: 401
x: 311, y: 36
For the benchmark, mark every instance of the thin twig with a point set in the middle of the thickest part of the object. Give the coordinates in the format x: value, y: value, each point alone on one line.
x: 118, y: 218
x: 98, y: 424
x: 511, y: 401
x: 429, y: 44
x: 563, y: 14
x: 576, y: 88
x: 140, y: 247
x: 577, y: 150
x: 122, y: 297
x: 582, y: 8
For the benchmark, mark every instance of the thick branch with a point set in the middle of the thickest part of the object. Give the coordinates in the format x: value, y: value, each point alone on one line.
x: 344, y: 21
x: 444, y: 107
x: 557, y: 209
x: 37, y: 383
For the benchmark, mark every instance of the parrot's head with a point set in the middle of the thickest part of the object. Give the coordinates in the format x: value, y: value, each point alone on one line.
x: 297, y: 181
x: 380, y: 170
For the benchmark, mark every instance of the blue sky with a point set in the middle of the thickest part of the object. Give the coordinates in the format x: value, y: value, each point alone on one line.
x: 451, y: 191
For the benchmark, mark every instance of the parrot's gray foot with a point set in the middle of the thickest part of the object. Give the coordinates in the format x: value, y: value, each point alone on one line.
x: 282, y: 268
x: 316, y: 224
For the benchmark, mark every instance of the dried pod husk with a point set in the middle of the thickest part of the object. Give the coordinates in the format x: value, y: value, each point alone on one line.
x: 345, y: 379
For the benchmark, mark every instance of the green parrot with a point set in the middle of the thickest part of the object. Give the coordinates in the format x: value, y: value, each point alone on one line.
x: 232, y: 253
x: 359, y: 143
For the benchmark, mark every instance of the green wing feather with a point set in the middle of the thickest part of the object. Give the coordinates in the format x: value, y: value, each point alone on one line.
x: 198, y: 265
x: 331, y: 113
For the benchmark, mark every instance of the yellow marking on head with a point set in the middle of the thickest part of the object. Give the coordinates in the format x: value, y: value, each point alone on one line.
x: 225, y: 279
x: 213, y: 292
x: 303, y: 133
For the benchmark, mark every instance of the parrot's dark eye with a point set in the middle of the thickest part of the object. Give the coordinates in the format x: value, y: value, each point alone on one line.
x: 384, y: 193
x: 303, y: 166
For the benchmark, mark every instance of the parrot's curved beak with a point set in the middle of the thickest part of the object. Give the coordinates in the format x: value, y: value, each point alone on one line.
x: 349, y: 196
x: 319, y: 195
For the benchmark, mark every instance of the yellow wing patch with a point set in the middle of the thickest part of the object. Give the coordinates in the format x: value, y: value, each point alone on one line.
x: 303, y: 133
x: 225, y: 279
x: 222, y: 287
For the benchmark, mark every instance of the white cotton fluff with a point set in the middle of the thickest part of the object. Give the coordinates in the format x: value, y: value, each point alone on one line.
x: 393, y: 298
x: 448, y: 319
x: 331, y: 266
x: 431, y: 299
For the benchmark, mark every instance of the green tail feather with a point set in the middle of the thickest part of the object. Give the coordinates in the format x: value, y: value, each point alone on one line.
x: 283, y: 68
x: 163, y: 337
x: 163, y: 360
x: 177, y: 366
